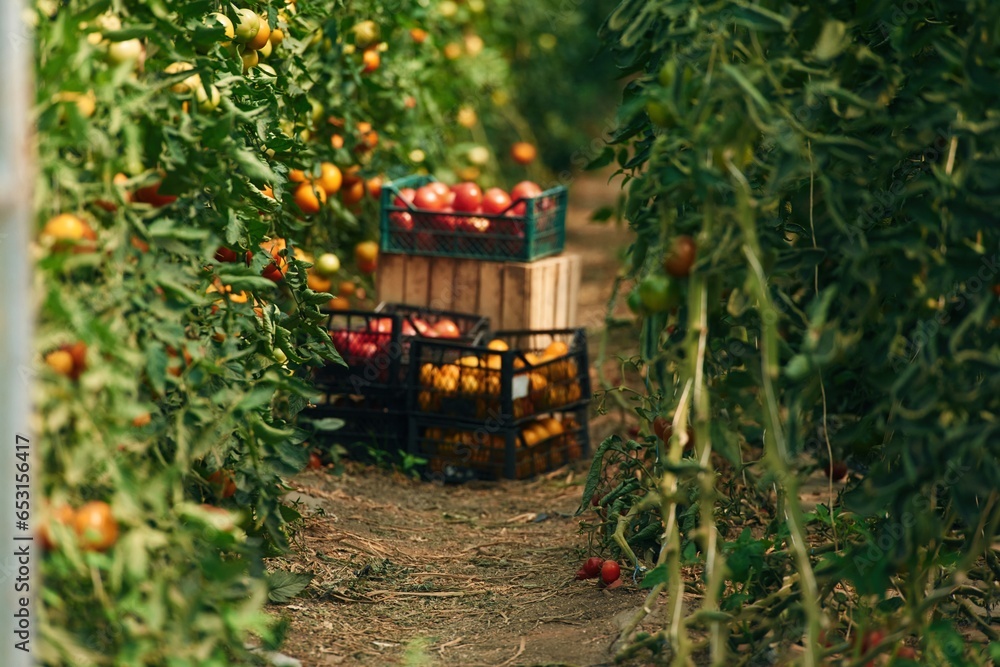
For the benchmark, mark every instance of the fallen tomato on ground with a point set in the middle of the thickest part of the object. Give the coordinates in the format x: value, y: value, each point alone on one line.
x: 610, y: 572
x: 591, y: 568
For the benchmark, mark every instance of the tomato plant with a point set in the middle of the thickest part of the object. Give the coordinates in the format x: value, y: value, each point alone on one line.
x: 193, y: 158
x: 810, y: 189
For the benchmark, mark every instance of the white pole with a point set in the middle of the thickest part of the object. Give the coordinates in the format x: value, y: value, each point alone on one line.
x: 18, y: 551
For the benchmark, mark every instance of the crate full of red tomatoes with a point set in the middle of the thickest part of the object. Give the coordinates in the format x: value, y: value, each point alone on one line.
x: 423, y: 216
x: 375, y: 345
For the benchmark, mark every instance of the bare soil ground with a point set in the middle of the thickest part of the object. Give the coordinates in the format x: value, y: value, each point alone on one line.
x: 414, y: 573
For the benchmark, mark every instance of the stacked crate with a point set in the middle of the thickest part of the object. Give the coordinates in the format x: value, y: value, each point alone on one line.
x: 508, y: 267
x: 513, y: 408
x: 508, y: 404
x: 369, y: 393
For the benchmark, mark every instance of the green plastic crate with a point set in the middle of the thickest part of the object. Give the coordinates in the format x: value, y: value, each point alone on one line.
x: 539, y: 232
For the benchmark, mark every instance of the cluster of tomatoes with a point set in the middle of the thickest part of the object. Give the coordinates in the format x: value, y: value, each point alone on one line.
x: 541, y: 445
x: 550, y: 378
x: 365, y: 344
x: 434, y: 216
x: 93, y: 525
x: 607, y: 571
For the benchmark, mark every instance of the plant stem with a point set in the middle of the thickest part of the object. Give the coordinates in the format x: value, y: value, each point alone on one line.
x: 776, y: 453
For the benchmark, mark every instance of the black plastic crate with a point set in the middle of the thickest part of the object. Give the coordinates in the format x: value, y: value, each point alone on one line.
x: 457, y: 452
x: 540, y: 371
x: 369, y: 424
x: 371, y: 345
x: 375, y: 346
x: 528, y: 230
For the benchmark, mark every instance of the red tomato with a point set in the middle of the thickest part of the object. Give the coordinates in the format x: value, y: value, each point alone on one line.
x: 381, y: 325
x: 429, y: 199
x: 523, y: 190
x: 610, y: 572
x: 662, y: 428
x: 681, y: 257
x: 150, y: 194
x: 495, y: 201
x: 836, y: 470
x: 402, y: 220
x: 871, y: 639
x: 404, y: 198
x: 421, y: 326
x: 447, y: 329
x: 447, y: 222
x: 438, y: 187
x: 224, y: 254
x: 592, y: 567
x: 96, y: 526
x: 315, y: 462
x: 468, y: 197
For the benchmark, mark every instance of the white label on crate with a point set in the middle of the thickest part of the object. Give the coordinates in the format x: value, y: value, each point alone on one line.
x: 520, y: 387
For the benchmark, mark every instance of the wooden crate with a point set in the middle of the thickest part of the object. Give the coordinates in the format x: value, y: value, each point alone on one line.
x: 514, y: 295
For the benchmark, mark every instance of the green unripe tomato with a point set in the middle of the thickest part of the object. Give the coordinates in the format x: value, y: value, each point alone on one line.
x: 659, y: 114
x: 227, y: 26
x: 366, y: 34
x: 657, y: 294
x: 635, y: 302
x: 668, y: 73
x: 247, y: 26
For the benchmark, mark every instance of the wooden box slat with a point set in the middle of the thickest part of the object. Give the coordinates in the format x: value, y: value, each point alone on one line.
x: 514, y: 295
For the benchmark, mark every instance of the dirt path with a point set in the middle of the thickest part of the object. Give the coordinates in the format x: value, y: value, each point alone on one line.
x: 411, y: 573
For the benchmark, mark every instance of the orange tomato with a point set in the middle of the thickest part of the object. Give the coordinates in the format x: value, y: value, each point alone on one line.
x: 353, y: 193
x: 66, y: 231
x: 418, y: 35
x: 366, y: 251
x: 297, y: 176
x: 318, y: 283
x: 267, y: 191
x: 61, y: 361
x: 330, y: 178
x: 346, y: 289
x: 523, y: 152
x: 555, y: 349
x: 142, y: 420
x: 64, y: 514
x: 351, y: 175
x: 371, y: 60
x: 337, y: 141
x: 310, y: 198
x: 374, y: 186
x: 339, y: 303
x: 223, y: 480
x: 96, y: 526
x: 263, y: 35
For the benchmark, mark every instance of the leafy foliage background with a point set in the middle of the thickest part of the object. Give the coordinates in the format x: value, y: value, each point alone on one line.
x: 221, y: 380
x: 833, y: 162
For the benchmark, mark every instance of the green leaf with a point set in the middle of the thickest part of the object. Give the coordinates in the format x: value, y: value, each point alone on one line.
x: 746, y: 85
x: 255, y: 168
x: 602, y: 160
x: 602, y: 214
x: 283, y: 586
x: 594, y: 476
x: 658, y: 575
x: 327, y: 424
x: 831, y: 42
